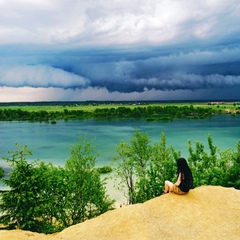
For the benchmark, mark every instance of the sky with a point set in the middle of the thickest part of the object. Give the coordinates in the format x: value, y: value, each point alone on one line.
x: 119, y: 50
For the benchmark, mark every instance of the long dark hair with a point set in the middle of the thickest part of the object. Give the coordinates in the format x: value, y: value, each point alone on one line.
x: 183, y: 167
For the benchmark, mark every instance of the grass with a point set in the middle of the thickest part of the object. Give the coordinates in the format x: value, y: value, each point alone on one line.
x: 59, y: 107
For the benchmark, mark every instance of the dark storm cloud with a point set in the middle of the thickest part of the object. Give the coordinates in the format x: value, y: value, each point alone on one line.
x: 129, y: 71
x: 120, y: 46
x: 126, y: 70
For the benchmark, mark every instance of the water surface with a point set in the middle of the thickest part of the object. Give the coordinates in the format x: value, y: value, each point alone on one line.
x: 52, y: 142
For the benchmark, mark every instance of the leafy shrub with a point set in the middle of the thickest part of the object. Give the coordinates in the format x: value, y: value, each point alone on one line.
x: 104, y: 169
x: 1, y: 172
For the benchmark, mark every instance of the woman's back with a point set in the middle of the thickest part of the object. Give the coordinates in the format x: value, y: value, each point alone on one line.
x: 186, y: 175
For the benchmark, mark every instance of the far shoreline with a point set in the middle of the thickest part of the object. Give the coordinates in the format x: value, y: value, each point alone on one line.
x: 51, y: 112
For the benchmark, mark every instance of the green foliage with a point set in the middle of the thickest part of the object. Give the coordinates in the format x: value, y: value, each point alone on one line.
x: 230, y: 163
x: 104, y: 169
x: 142, y: 168
x: 124, y: 170
x: 87, y: 197
x: 154, y: 113
x: 203, y: 164
x: 162, y: 166
x: 22, y: 204
x: 214, y: 167
x: 54, y: 194
x: 140, y: 156
x: 1, y: 172
x: 149, y: 112
x: 44, y: 198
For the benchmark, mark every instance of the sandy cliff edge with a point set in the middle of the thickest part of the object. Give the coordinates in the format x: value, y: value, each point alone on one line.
x: 207, y: 212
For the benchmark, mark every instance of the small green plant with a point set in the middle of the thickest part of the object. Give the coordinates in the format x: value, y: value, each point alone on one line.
x: 104, y: 169
x: 1, y: 172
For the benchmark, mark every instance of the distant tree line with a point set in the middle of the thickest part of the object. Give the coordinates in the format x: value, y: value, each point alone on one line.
x: 155, y: 113
x: 45, y: 198
x: 150, y: 113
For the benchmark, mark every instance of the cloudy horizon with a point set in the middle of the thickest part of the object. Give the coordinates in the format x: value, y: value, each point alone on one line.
x: 119, y: 50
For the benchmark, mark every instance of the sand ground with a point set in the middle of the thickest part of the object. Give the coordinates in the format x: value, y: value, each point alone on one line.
x: 206, y: 212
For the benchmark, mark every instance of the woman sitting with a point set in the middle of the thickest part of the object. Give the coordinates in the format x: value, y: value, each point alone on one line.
x: 185, y: 180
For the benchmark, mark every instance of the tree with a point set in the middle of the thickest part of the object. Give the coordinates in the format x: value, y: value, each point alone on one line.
x: 54, y: 214
x: 86, y: 195
x: 44, y: 198
x: 162, y: 166
x: 131, y: 164
x: 142, y: 168
x: 21, y: 205
x: 214, y: 167
x: 230, y: 160
x: 201, y: 162
x: 140, y: 152
x: 124, y: 167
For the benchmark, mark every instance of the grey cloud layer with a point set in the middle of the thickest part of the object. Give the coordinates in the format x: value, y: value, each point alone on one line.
x: 122, y: 46
x: 127, y: 70
x: 151, y: 69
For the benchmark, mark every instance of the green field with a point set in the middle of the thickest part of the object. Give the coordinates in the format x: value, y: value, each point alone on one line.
x: 90, y: 107
x: 53, y: 111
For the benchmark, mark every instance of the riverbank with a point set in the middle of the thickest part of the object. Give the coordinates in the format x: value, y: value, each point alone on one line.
x: 150, y: 111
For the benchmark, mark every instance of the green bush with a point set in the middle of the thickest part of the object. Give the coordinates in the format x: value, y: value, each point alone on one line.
x: 44, y: 198
x: 104, y: 169
x: 1, y: 172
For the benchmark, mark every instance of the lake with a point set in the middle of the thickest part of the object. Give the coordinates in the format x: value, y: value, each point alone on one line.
x: 52, y: 142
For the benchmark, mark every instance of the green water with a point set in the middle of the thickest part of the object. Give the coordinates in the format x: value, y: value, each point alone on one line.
x: 51, y: 142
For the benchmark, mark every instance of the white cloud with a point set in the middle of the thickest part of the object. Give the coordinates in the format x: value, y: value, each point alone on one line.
x: 122, y: 49
x: 28, y: 94
x: 115, y: 22
x: 39, y: 76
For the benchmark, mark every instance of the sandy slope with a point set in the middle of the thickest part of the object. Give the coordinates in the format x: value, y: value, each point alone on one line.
x: 204, y: 213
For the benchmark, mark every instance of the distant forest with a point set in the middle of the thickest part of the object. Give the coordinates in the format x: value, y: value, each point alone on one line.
x: 150, y: 111
x: 149, y: 102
